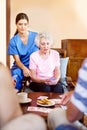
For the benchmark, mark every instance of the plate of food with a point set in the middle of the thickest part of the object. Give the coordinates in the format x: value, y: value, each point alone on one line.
x: 45, y: 102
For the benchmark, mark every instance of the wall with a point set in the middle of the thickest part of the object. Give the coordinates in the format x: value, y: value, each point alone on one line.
x: 3, y: 31
x: 64, y: 19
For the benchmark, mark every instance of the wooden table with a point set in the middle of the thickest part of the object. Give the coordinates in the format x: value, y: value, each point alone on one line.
x: 34, y: 96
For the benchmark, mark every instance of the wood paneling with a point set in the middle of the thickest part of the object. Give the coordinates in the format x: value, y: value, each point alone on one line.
x: 76, y: 50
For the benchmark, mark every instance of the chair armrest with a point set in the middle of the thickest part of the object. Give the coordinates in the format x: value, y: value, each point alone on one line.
x: 70, y: 85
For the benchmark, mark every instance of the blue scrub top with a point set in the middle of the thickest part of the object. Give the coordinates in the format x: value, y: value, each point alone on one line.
x: 16, y: 47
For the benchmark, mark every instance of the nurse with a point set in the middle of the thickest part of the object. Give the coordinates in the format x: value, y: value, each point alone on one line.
x: 21, y: 46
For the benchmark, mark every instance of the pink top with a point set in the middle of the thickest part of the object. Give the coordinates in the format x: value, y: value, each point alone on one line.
x: 44, y: 67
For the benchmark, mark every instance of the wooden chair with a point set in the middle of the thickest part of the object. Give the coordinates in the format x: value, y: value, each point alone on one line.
x: 61, y: 51
x: 25, y: 83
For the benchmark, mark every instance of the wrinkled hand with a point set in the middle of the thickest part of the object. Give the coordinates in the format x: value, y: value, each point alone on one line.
x: 51, y: 81
x: 66, y: 98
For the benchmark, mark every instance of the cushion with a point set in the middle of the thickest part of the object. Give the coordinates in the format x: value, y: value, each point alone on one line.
x: 63, y: 66
x: 63, y: 69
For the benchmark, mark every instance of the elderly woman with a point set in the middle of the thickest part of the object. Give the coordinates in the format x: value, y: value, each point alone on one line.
x: 45, y: 66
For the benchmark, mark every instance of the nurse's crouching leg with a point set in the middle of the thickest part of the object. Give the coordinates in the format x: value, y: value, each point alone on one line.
x: 18, y: 84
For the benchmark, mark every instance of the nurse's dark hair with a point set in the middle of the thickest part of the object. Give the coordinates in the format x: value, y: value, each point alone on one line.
x: 19, y: 17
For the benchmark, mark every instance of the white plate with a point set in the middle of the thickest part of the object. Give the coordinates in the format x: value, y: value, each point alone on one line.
x: 26, y: 101
x: 52, y: 104
x: 57, y: 101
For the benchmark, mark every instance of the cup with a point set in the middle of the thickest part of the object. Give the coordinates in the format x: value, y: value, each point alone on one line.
x: 22, y: 96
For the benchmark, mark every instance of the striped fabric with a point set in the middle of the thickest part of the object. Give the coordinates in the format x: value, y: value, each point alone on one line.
x: 79, y: 98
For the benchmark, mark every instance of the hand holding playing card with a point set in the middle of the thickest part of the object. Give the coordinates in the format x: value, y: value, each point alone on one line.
x: 53, y: 81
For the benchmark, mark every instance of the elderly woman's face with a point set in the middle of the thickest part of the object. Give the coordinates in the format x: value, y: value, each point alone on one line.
x: 44, y: 45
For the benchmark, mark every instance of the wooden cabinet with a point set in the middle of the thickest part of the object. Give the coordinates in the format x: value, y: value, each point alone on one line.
x: 76, y: 50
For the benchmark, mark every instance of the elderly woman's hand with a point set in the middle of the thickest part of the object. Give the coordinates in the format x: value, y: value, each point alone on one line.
x: 52, y: 81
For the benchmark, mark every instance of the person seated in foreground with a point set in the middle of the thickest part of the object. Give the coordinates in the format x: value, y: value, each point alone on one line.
x: 45, y: 66
x: 76, y: 103
x: 11, y: 116
x: 9, y: 105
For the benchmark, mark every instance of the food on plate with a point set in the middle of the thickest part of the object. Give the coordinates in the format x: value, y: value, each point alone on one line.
x: 44, y: 101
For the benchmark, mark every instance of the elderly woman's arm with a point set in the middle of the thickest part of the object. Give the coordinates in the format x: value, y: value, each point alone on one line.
x: 34, y: 78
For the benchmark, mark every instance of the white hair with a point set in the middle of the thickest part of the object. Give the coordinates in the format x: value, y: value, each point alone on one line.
x: 44, y: 35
